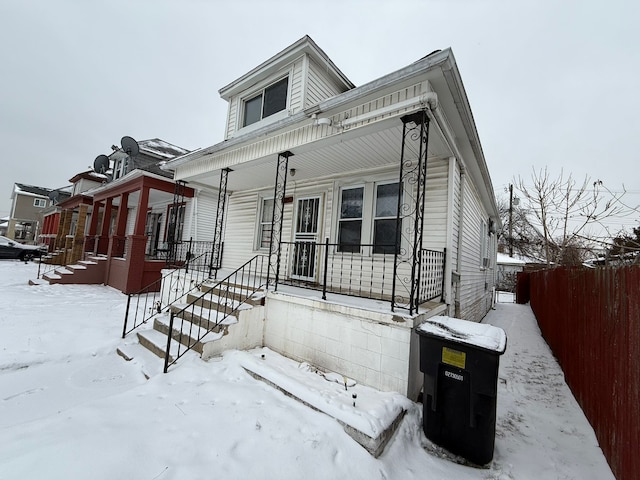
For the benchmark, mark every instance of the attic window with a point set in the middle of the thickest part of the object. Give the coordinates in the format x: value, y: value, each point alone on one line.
x: 270, y: 100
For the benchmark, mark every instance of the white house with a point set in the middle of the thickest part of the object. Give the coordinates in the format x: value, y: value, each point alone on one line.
x: 376, y: 200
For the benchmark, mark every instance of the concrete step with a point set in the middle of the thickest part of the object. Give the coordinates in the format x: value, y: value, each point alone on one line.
x: 202, y: 316
x: 211, y: 301
x: 156, y: 342
x: 187, y: 333
x: 232, y: 292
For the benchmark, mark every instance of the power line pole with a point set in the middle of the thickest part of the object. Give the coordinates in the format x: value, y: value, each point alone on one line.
x: 511, y: 220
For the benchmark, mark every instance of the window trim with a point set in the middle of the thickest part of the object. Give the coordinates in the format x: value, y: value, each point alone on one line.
x: 37, y: 203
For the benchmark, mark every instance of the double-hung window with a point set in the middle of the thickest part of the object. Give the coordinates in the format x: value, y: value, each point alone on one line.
x: 350, y: 221
x: 266, y: 102
x: 386, y: 235
x: 368, y: 215
x: 265, y: 227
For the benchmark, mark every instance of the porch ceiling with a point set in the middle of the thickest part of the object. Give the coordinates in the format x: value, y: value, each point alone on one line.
x: 366, y: 148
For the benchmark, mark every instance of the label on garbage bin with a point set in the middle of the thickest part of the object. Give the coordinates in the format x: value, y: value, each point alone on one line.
x: 454, y: 357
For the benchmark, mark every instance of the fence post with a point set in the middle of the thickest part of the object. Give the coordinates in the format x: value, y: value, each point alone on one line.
x: 326, y: 264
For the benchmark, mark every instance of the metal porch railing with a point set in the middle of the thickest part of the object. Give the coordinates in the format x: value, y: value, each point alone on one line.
x: 363, y: 270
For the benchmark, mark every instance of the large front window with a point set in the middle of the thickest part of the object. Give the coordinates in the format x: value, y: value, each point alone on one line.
x: 270, y: 100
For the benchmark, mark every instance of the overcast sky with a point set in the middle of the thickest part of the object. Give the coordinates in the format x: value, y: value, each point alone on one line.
x: 550, y: 83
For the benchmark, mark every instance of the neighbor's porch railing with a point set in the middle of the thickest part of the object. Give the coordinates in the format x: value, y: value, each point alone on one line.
x: 364, y: 270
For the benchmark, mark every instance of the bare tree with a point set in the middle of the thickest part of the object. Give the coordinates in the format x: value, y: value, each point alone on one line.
x: 517, y: 233
x: 562, y: 209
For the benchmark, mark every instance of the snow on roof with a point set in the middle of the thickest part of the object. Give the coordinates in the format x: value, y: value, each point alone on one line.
x: 31, y: 189
x: 160, y: 148
x: 503, y: 259
x: 481, y: 335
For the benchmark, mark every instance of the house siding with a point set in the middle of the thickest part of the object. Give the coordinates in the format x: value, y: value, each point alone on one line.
x: 320, y: 86
x: 435, y: 209
x: 476, y: 283
x: 202, y: 216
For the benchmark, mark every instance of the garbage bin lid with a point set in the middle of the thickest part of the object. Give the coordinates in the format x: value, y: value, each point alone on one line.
x: 479, y: 335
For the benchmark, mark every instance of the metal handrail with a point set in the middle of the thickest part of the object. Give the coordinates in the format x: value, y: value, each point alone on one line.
x: 152, y: 305
x: 232, y: 292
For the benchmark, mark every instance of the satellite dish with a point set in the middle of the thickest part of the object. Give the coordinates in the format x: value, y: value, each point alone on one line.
x: 130, y: 146
x: 101, y: 164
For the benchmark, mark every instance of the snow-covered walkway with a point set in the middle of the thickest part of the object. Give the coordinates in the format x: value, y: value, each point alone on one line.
x: 70, y: 408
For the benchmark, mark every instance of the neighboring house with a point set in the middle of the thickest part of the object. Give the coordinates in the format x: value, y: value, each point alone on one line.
x: 507, y: 269
x: 379, y: 192
x: 132, y: 218
x: 4, y: 224
x: 27, y: 205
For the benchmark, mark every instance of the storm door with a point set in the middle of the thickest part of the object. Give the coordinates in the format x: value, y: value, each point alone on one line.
x: 305, y: 237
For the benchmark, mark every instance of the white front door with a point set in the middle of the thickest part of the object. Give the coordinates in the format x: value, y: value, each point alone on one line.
x: 306, y: 235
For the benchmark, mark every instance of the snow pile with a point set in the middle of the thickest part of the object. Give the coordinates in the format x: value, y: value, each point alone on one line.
x: 70, y: 408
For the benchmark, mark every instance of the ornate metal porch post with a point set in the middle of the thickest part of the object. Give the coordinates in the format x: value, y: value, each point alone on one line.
x: 282, y: 169
x: 410, y: 214
x: 216, y: 252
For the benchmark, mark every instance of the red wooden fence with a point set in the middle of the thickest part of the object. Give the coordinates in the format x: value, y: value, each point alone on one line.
x: 591, y: 320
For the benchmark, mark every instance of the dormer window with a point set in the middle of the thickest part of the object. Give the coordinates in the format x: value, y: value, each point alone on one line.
x: 271, y: 99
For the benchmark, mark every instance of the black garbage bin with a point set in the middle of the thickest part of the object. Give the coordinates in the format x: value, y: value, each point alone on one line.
x: 460, y: 361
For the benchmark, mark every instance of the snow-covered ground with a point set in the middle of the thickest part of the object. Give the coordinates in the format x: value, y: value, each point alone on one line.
x: 70, y: 408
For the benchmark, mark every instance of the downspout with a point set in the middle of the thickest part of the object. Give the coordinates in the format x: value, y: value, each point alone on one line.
x: 463, y: 181
x: 448, y: 267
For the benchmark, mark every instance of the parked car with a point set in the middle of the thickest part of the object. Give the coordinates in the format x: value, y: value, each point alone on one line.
x: 12, y: 249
